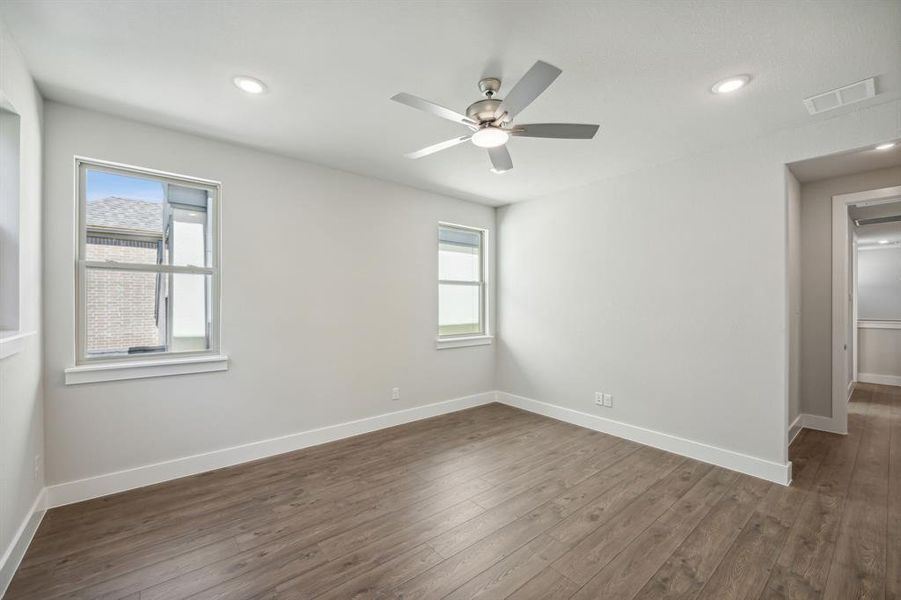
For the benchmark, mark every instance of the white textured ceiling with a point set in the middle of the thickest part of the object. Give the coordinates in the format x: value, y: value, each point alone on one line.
x: 641, y: 70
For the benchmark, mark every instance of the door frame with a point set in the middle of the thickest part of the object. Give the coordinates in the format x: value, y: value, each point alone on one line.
x: 844, y: 290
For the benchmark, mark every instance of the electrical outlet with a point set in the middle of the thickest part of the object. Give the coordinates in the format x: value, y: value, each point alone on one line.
x: 395, y: 393
x: 599, y: 398
x: 37, y: 466
x: 608, y: 400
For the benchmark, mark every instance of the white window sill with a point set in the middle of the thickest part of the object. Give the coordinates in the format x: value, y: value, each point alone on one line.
x: 12, y: 342
x: 463, y: 342
x: 879, y: 324
x: 164, y: 367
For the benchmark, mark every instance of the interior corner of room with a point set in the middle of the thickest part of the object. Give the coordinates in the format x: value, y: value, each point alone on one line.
x: 264, y: 335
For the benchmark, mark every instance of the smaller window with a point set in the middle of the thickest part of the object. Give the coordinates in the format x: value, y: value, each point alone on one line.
x: 461, y: 281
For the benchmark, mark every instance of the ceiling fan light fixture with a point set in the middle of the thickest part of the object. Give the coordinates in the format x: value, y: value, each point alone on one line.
x: 490, y: 137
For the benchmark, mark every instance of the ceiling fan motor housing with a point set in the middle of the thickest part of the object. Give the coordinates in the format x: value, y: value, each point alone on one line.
x: 484, y: 110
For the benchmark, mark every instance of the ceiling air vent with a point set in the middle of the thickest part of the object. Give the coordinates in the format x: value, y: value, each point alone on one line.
x: 842, y: 96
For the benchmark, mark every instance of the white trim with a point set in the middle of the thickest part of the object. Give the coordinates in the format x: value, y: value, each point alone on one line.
x: 13, y: 342
x: 879, y: 324
x: 163, y: 367
x: 12, y: 556
x: 728, y: 459
x: 483, y: 282
x: 820, y: 423
x: 794, y: 429
x: 879, y: 379
x: 214, y: 197
x: 843, y: 291
x: 463, y: 342
x: 120, y: 481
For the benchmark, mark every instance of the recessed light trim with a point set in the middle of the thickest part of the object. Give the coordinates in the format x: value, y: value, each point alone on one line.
x: 886, y: 146
x: 730, y: 84
x: 250, y: 85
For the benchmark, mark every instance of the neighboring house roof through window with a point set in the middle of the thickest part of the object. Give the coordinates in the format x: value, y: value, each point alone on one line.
x: 138, y: 216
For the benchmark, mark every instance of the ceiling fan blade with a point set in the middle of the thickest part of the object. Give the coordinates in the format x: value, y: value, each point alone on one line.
x: 563, y: 131
x: 435, y: 109
x: 500, y: 159
x: 438, y: 147
x: 535, y: 81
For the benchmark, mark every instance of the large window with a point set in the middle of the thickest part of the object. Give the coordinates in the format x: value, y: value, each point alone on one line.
x: 148, y: 264
x: 461, y: 281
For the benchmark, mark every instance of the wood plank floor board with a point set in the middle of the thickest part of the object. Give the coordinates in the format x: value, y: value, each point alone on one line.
x: 629, y: 570
x: 512, y: 572
x: 547, y: 585
x: 692, y: 563
x: 893, y: 529
x: 494, y: 502
x: 858, y: 566
x: 602, y: 545
x: 629, y: 481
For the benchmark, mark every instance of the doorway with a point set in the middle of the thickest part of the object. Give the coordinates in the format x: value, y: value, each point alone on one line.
x: 862, y: 222
x: 830, y: 203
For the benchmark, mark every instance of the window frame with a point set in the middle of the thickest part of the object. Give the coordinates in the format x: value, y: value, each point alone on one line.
x: 484, y: 335
x: 214, y: 197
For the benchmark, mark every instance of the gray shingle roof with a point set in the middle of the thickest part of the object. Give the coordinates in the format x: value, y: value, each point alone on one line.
x: 139, y: 216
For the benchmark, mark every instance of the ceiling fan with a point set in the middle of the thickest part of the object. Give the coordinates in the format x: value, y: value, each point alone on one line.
x: 491, y: 119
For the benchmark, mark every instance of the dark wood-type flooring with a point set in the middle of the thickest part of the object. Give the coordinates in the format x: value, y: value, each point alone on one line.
x: 495, y: 503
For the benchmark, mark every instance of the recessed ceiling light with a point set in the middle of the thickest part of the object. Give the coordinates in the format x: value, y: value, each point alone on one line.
x: 730, y: 84
x: 885, y: 146
x: 490, y: 137
x: 883, y: 241
x: 249, y: 84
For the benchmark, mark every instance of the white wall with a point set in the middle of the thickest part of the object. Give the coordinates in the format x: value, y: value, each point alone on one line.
x: 816, y: 280
x: 880, y: 355
x: 21, y: 408
x: 329, y: 300
x: 668, y: 289
x: 879, y: 299
x: 793, y: 198
x: 879, y: 284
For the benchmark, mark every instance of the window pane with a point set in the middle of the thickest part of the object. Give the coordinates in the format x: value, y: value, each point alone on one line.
x: 123, y: 249
x: 459, y: 254
x: 459, y: 309
x: 125, y: 312
x: 189, y: 312
x: 187, y: 238
x: 129, y: 206
x: 458, y: 263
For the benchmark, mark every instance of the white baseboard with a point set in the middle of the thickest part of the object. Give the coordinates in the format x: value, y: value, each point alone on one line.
x: 794, y: 429
x: 13, y: 555
x: 821, y: 423
x: 120, y: 481
x: 728, y: 459
x: 879, y: 379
